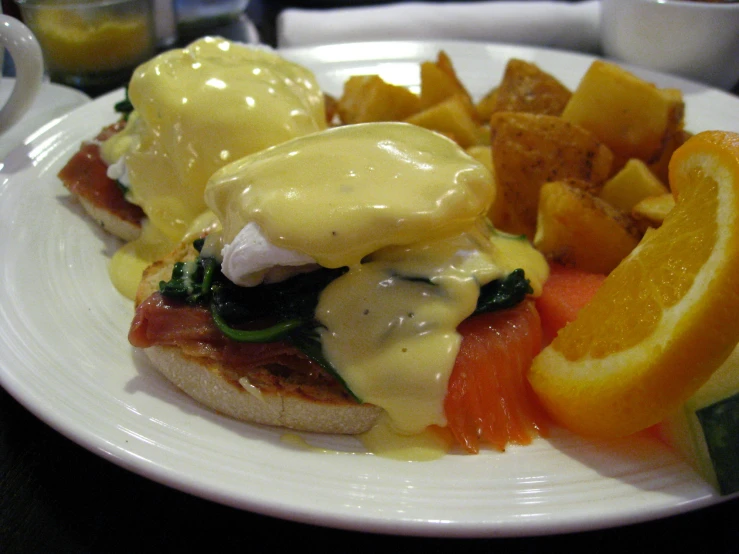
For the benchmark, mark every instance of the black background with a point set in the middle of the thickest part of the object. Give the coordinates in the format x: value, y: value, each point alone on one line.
x: 57, y: 497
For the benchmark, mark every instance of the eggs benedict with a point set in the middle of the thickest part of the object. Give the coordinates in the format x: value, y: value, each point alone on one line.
x: 331, y: 290
x: 195, y: 110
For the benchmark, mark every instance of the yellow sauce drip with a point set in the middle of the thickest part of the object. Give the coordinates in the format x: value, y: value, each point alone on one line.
x: 391, y: 321
x: 124, y: 141
x: 391, y: 324
x: 299, y: 442
x: 129, y: 262
x: 383, y: 440
x: 515, y: 251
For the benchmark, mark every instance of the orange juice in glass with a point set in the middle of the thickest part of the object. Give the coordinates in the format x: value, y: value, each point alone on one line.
x: 91, y: 43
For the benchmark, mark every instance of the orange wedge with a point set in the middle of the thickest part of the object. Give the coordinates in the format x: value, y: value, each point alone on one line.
x: 665, y: 318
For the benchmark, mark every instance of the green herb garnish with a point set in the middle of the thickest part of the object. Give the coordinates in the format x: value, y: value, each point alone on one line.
x: 504, y: 293
x: 124, y: 107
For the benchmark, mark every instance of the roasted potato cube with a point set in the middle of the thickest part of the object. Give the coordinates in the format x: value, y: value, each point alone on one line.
x: 482, y: 154
x: 483, y: 135
x: 486, y: 105
x: 633, y: 117
x: 330, y: 103
x: 673, y: 141
x: 580, y: 230
x: 451, y: 118
x: 529, y: 150
x: 632, y: 184
x: 369, y: 98
x: 651, y: 212
x: 674, y: 137
x: 526, y: 88
x: 439, y: 82
x: 442, y: 82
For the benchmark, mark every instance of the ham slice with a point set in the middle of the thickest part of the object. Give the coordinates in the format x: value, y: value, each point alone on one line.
x: 164, y: 322
x: 271, y: 366
x: 85, y: 175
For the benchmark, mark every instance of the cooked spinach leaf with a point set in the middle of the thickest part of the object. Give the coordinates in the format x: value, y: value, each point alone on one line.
x: 307, y: 340
x: 503, y: 293
x: 288, y: 307
x: 124, y: 107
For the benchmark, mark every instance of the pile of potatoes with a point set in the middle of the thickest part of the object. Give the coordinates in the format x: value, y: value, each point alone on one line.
x: 583, y: 173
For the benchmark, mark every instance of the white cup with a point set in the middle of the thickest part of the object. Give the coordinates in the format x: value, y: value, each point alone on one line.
x: 697, y: 40
x: 29, y: 69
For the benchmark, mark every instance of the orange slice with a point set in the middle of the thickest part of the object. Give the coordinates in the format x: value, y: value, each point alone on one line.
x: 665, y: 318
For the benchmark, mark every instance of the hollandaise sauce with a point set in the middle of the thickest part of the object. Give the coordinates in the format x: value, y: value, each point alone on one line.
x: 382, y: 440
x: 196, y: 110
x: 129, y: 262
x: 403, y: 209
x: 340, y: 195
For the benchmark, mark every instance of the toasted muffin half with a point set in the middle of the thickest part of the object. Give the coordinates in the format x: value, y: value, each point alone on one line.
x: 271, y: 383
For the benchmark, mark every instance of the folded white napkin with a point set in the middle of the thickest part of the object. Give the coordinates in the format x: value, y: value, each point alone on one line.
x: 565, y: 25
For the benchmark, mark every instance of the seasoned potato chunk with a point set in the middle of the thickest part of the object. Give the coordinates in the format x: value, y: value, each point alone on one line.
x: 633, y: 117
x: 529, y: 150
x: 526, y: 88
x: 451, y: 118
x: 632, y: 184
x: 578, y: 229
x: 439, y: 82
x: 674, y: 139
x: 486, y: 105
x: 330, y: 103
x: 651, y: 212
x: 482, y: 154
x: 368, y: 98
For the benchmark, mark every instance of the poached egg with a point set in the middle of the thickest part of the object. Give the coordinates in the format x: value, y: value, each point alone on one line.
x: 196, y: 110
x: 404, y: 209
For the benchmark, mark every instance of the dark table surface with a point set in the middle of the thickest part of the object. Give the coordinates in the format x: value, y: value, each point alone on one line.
x: 57, y: 497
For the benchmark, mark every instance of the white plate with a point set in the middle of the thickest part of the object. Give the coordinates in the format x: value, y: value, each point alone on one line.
x: 52, y: 101
x: 64, y: 355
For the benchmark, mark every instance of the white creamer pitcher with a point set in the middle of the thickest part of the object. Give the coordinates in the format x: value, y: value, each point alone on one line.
x: 23, y: 47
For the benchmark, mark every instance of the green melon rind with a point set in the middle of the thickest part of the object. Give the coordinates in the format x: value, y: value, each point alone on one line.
x: 705, y: 432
